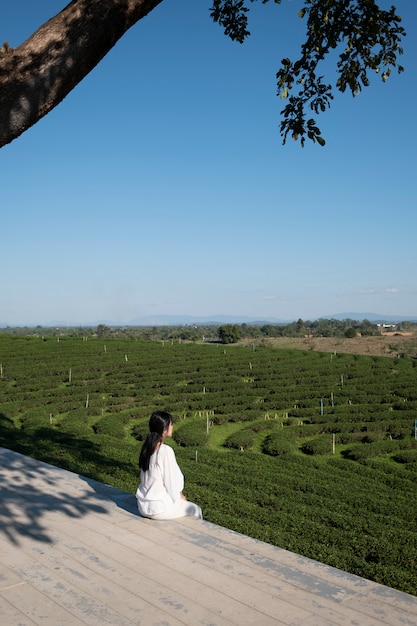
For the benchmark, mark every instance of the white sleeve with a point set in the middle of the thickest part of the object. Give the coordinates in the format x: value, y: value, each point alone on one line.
x: 171, y: 473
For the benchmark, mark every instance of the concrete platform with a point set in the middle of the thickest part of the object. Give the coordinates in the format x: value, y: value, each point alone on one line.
x: 74, y: 551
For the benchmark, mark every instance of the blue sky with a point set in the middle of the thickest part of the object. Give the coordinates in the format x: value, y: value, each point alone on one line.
x: 160, y: 185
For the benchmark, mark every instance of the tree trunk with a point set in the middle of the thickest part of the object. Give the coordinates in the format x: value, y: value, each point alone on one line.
x: 38, y: 74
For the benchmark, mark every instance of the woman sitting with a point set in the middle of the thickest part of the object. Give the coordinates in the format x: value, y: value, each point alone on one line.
x: 159, y: 494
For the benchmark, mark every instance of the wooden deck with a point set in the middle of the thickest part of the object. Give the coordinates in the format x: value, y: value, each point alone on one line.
x: 75, y: 551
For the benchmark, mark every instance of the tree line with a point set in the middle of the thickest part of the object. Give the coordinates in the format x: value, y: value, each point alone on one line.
x: 222, y: 333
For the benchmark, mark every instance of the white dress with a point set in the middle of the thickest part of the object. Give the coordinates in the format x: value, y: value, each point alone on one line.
x: 159, y: 491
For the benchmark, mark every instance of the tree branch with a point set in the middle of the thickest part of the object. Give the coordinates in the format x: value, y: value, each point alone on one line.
x: 37, y: 75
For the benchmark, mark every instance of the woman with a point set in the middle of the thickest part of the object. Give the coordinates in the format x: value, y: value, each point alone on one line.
x: 159, y: 494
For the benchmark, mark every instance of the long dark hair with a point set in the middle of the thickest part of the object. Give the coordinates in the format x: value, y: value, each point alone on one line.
x: 158, y: 423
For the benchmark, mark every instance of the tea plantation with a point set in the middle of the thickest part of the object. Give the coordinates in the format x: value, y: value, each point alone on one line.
x: 313, y: 452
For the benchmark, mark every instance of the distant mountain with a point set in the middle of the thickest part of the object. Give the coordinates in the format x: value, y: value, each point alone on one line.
x: 191, y: 320
x: 188, y: 320
x: 372, y: 317
x: 180, y: 320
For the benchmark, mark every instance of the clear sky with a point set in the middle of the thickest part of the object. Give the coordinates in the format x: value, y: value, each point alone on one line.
x: 160, y: 185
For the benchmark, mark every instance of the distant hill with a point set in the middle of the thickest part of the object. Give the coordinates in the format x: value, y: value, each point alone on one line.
x: 179, y: 320
x: 373, y: 317
x: 189, y: 320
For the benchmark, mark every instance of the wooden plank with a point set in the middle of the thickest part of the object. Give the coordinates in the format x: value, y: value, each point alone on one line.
x: 243, y: 581
x: 100, y: 591
x: 38, y: 607
x: 271, y: 557
x: 258, y: 552
x: 305, y: 582
x: 151, y: 567
x: 11, y: 615
x: 48, y: 592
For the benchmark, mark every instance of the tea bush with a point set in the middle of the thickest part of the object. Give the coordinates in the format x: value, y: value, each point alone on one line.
x: 140, y: 430
x: 319, y: 445
x: 191, y: 434
x: 275, y: 445
x: 241, y: 440
x: 406, y: 456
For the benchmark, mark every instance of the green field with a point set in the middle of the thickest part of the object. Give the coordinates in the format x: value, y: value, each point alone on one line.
x: 314, y: 452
